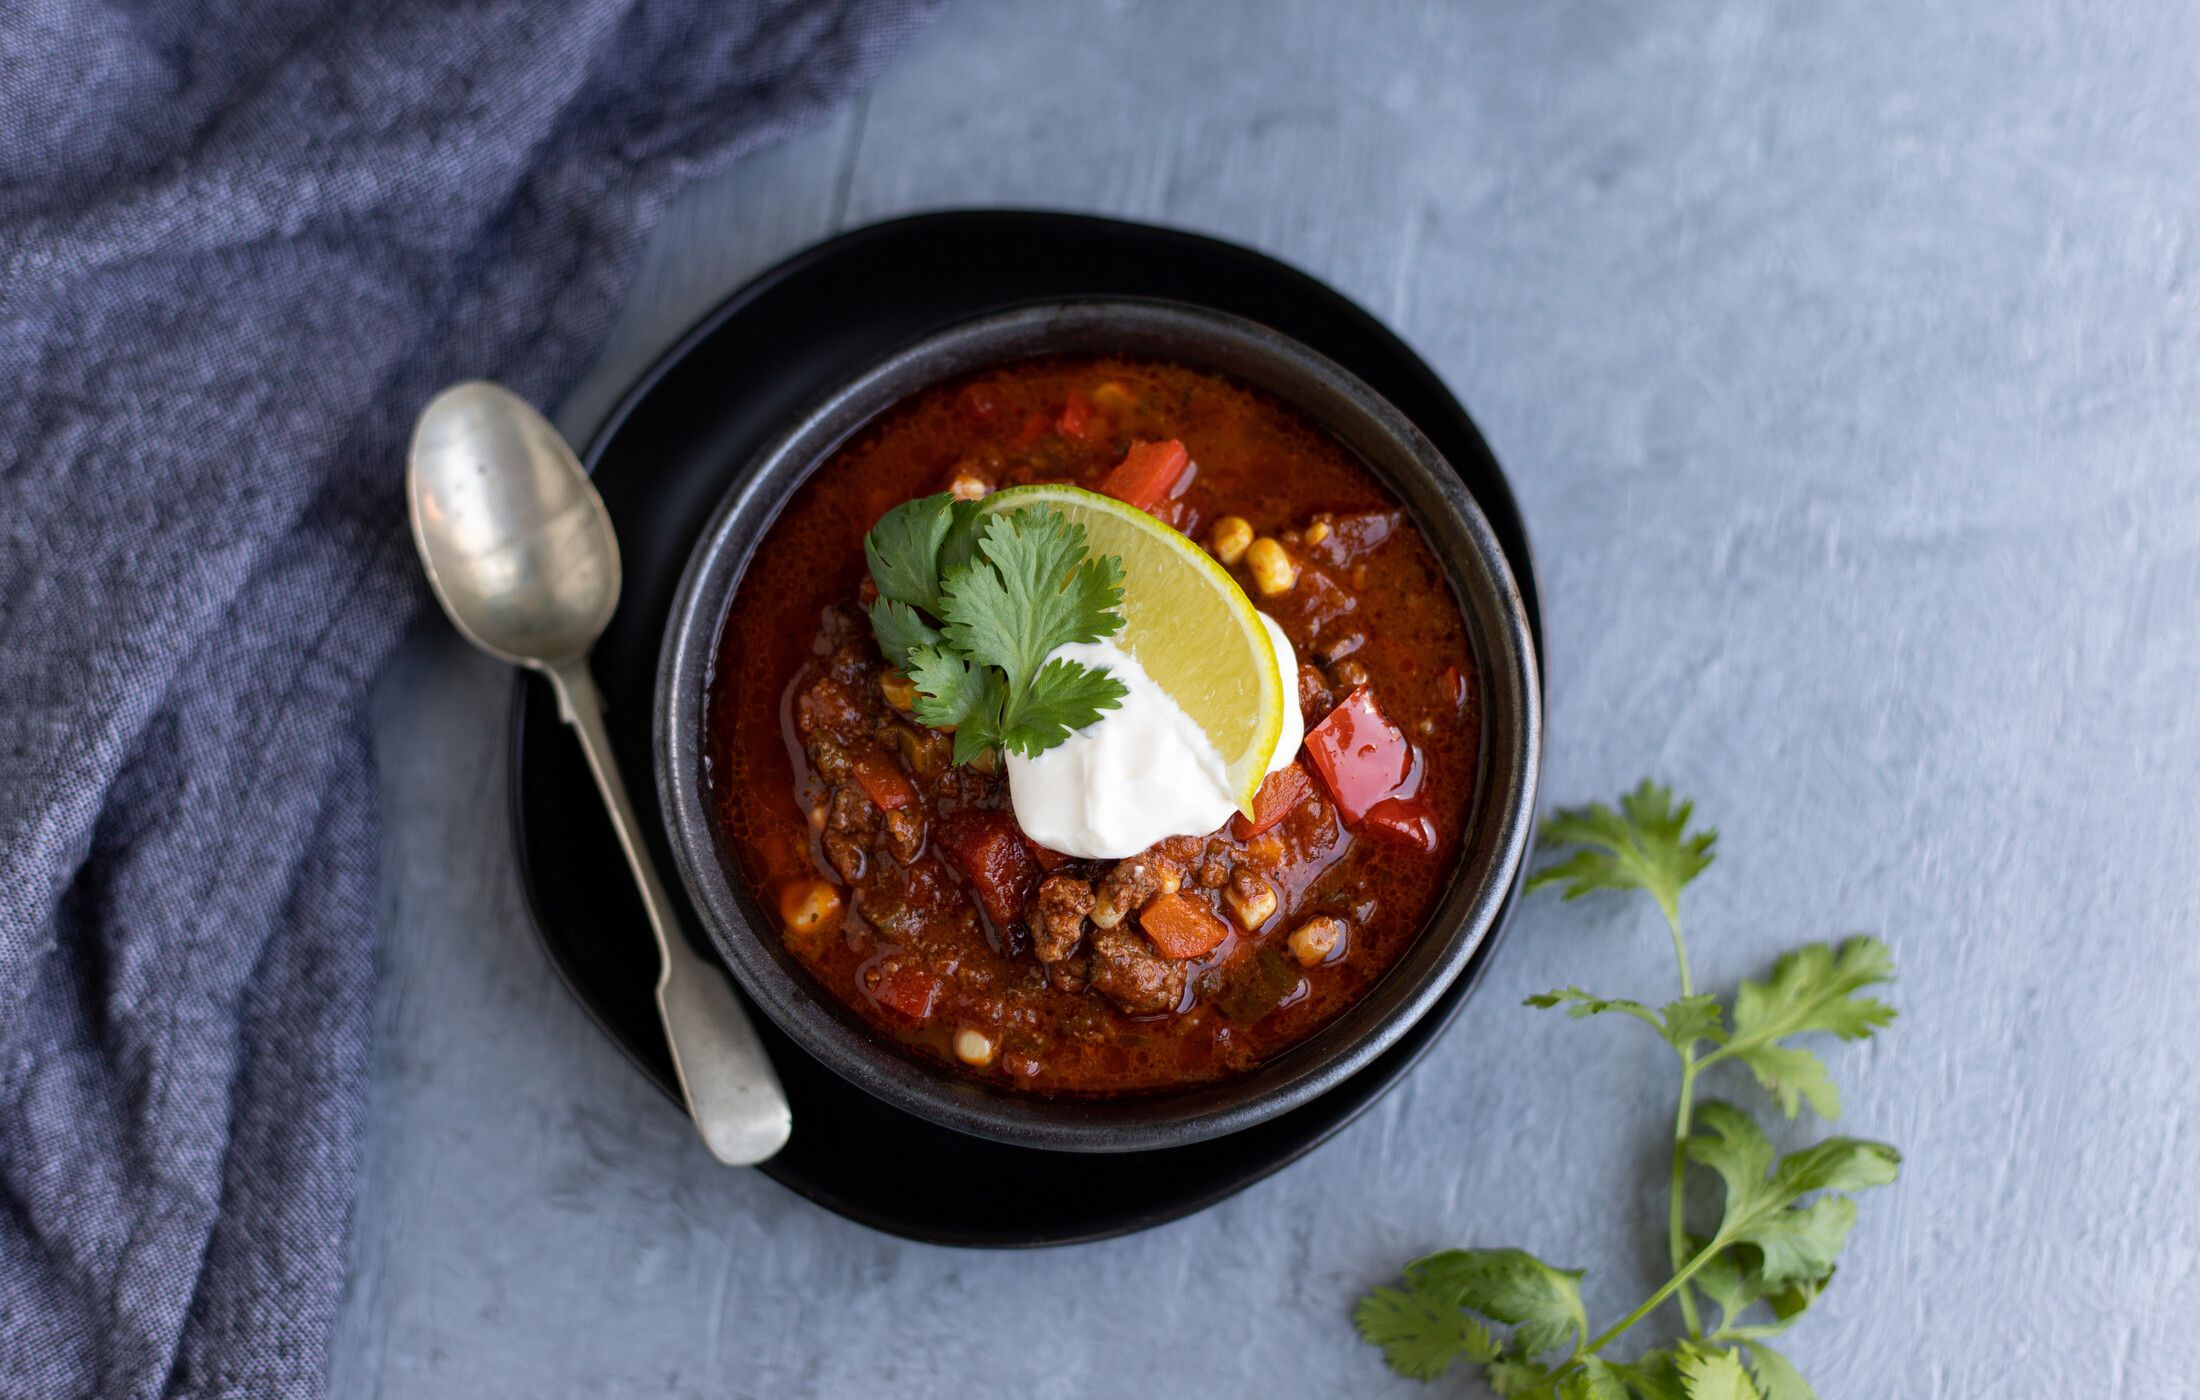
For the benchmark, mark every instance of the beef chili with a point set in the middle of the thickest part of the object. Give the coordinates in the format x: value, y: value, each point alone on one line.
x: 903, y: 883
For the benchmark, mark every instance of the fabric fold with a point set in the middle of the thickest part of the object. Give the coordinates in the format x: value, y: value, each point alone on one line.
x: 240, y: 245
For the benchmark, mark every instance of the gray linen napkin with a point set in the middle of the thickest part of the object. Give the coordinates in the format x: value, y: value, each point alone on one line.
x: 241, y: 242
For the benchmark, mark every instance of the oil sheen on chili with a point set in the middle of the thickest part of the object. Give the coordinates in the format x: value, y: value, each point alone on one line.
x: 903, y: 884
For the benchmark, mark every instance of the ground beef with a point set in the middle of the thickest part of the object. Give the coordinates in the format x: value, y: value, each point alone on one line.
x: 1072, y: 974
x: 1128, y: 885
x: 1127, y: 971
x: 905, y: 833
x: 1057, y: 917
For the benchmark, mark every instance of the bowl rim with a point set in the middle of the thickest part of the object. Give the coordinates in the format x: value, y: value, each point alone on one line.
x: 1388, y: 445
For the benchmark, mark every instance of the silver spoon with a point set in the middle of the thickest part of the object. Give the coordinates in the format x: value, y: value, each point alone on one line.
x: 521, y: 554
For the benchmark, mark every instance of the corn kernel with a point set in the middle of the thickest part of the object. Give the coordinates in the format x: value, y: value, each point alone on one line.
x: 1317, y: 532
x: 975, y: 1047
x: 1273, y: 571
x: 809, y: 906
x: 1317, y: 940
x: 1113, y: 396
x: 1251, y: 907
x: 899, y: 690
x: 967, y: 485
x: 1232, y: 533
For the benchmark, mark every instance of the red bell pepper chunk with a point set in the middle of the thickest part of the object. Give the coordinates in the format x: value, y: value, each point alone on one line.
x: 1279, y: 792
x: 907, y: 991
x: 1403, y: 819
x: 1075, y: 419
x: 883, y: 781
x: 989, y: 849
x: 1360, y: 755
x: 1182, y: 926
x: 1149, y: 474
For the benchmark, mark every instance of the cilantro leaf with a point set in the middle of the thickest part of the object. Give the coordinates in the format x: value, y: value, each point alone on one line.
x: 910, y: 549
x: 1695, y: 1018
x: 1006, y: 590
x: 953, y: 694
x: 1652, y: 1376
x: 903, y: 550
x: 1783, y: 1219
x: 960, y: 546
x: 1421, y: 1336
x: 1788, y: 1301
x: 1735, y: 1281
x: 1682, y: 1023
x: 1643, y: 846
x: 1736, y: 1149
x: 1804, y: 1240
x: 1508, y: 1285
x: 1516, y: 1375
x: 1064, y: 696
x: 1777, y: 1378
x: 1726, y: 1281
x: 1580, y: 1004
x: 901, y: 632
x: 1707, y: 1374
x: 1031, y: 589
x: 1596, y: 1380
x: 1795, y: 1241
x: 1811, y: 989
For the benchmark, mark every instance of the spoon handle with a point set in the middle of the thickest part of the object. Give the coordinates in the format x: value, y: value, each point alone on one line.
x: 731, y: 1089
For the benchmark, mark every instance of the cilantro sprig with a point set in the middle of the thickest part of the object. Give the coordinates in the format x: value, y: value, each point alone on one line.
x: 971, y: 604
x: 1783, y: 1221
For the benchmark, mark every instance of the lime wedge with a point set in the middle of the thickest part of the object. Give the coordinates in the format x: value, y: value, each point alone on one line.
x: 1187, y: 622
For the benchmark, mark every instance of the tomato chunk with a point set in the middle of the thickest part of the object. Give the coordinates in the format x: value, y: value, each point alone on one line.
x: 1034, y: 428
x: 883, y: 781
x: 1149, y: 474
x: 1075, y: 419
x: 1182, y: 926
x: 1360, y: 755
x: 1049, y: 861
x: 989, y: 849
x: 1404, y: 819
x: 908, y: 991
x: 1279, y: 792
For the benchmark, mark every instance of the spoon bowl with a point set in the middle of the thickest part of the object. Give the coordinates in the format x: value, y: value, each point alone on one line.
x: 518, y: 546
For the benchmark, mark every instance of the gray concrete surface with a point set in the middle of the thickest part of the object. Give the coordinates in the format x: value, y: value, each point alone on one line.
x: 1847, y: 361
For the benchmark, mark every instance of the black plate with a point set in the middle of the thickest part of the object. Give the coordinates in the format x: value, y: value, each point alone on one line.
x: 663, y: 459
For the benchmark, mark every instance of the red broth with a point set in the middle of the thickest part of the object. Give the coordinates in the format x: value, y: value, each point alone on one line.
x: 903, y: 885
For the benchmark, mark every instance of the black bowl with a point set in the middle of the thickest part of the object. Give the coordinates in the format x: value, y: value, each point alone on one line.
x: 1499, y: 818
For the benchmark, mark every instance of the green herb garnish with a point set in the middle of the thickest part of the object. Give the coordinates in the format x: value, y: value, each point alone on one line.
x: 1785, y: 1217
x: 970, y: 604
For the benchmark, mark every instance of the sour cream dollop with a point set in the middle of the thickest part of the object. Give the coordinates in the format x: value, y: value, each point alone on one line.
x: 1143, y: 772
